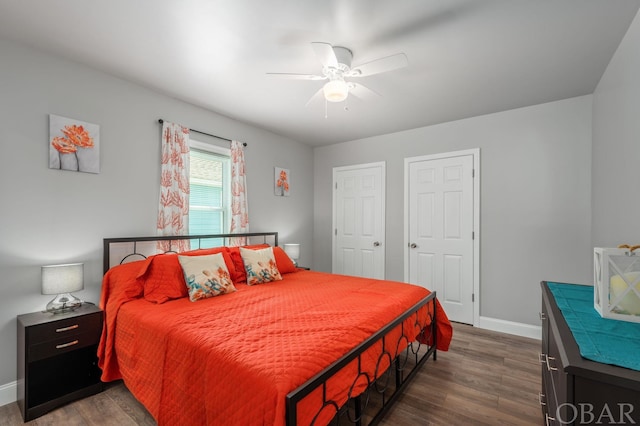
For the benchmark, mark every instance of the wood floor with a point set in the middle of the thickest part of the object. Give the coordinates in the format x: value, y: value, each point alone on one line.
x: 485, y: 378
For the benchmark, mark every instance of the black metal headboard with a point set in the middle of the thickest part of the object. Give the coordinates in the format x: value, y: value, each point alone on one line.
x: 132, y: 248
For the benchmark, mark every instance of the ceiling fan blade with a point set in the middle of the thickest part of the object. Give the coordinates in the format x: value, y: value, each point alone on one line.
x: 325, y: 54
x: 362, y: 92
x: 381, y: 65
x: 289, y: 76
x: 316, y: 97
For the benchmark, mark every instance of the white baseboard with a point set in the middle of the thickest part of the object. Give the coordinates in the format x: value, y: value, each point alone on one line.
x: 8, y: 393
x: 510, y: 327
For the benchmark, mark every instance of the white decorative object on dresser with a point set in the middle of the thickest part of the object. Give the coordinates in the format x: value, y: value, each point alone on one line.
x: 617, y: 283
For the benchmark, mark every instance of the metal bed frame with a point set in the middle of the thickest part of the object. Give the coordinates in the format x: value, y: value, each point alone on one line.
x: 369, y: 406
x: 250, y: 237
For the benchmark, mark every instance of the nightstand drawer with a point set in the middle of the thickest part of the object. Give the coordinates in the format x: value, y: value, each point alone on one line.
x: 65, y: 327
x: 62, y: 345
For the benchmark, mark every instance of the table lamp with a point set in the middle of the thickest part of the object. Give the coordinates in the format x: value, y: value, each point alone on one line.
x: 61, y: 280
x: 293, y: 250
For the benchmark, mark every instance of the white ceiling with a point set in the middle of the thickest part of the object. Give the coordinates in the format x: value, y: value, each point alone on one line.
x: 466, y: 57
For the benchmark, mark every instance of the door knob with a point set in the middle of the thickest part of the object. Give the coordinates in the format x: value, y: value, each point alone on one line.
x: 413, y: 245
x: 377, y: 244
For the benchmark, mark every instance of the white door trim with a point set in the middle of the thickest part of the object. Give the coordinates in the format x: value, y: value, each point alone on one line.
x: 336, y: 170
x: 475, y: 152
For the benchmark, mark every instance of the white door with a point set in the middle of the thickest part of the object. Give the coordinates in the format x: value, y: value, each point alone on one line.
x: 358, y: 220
x: 441, y: 208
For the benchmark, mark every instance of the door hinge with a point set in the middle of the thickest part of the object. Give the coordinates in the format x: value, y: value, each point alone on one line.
x: 473, y: 297
x: 335, y: 231
x: 473, y: 173
x: 473, y: 235
x: 336, y: 185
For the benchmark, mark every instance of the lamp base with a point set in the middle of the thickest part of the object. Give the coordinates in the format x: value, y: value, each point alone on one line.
x: 64, y: 302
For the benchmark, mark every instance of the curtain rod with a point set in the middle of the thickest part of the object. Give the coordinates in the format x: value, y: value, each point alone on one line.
x: 160, y: 120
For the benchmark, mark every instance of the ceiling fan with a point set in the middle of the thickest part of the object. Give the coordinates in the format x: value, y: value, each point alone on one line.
x: 336, y: 68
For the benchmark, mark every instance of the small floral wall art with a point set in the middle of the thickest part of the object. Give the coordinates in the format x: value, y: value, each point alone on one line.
x: 73, y: 145
x: 282, y: 182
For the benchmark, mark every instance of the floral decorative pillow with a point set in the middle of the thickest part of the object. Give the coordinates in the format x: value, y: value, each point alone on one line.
x: 241, y: 274
x: 260, y: 265
x: 206, y: 276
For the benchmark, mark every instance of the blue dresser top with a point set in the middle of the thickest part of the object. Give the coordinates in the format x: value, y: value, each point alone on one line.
x: 599, y: 339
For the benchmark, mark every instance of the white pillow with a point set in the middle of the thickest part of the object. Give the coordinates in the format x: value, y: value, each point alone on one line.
x: 260, y: 265
x: 206, y: 276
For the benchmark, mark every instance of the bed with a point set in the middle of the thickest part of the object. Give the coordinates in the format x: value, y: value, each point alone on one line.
x: 309, y: 348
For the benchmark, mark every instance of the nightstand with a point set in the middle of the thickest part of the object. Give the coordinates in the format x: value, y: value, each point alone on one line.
x: 57, y: 358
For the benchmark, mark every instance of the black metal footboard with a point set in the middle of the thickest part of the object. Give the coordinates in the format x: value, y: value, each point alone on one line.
x: 368, y: 407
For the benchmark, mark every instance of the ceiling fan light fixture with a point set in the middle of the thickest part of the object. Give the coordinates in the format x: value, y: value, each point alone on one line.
x: 336, y: 90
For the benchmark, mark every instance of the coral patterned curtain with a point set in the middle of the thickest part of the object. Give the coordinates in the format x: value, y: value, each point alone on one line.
x: 239, y: 206
x: 173, y: 210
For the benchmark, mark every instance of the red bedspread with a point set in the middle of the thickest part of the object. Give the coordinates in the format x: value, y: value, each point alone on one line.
x: 233, y: 359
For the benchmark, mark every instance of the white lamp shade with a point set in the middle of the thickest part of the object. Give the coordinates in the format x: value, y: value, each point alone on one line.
x: 336, y: 91
x: 58, y: 279
x: 293, y: 250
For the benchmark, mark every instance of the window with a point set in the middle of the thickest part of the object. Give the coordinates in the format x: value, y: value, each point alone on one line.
x: 210, y: 196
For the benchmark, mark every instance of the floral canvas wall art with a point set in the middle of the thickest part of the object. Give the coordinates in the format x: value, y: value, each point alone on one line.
x: 282, y: 182
x: 73, y: 145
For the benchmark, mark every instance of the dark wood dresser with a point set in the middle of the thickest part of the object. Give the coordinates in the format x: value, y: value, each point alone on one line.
x: 577, y: 391
x: 57, y: 358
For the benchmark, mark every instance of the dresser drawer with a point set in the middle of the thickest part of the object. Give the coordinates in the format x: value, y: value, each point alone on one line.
x: 63, y: 328
x: 558, y: 381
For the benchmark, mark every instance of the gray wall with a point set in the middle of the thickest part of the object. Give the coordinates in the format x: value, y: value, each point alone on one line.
x: 535, y: 219
x: 51, y: 216
x: 616, y: 146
